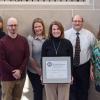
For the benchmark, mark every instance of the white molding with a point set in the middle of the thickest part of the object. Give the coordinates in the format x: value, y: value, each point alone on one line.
x: 43, y: 3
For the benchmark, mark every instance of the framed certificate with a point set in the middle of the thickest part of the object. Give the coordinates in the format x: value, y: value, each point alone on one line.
x: 56, y: 69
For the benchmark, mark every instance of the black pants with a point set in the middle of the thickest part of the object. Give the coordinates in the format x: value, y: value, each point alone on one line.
x: 80, y: 86
x: 36, y: 85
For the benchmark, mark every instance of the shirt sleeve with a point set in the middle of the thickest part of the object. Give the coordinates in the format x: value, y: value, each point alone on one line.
x: 30, y: 46
x: 71, y: 55
x: 93, y: 40
x: 44, y: 50
x: 3, y: 62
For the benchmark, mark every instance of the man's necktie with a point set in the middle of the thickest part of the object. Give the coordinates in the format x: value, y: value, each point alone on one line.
x: 76, y: 61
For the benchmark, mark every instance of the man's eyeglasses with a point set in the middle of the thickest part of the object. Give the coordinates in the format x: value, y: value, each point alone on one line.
x: 15, y: 25
x: 79, y: 21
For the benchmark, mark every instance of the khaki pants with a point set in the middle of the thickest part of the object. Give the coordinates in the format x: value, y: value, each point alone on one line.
x: 12, y: 90
x: 57, y: 91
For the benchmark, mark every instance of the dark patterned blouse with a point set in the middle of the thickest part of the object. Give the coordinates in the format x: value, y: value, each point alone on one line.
x: 96, y: 63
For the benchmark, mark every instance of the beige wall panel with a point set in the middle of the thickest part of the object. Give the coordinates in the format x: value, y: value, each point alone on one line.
x: 25, y: 18
x: 97, y: 4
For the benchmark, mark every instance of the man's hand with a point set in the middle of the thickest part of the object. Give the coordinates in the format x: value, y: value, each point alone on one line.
x: 91, y: 72
x: 72, y: 79
x: 16, y: 74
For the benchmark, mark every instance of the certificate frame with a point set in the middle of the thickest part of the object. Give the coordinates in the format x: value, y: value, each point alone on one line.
x: 48, y: 77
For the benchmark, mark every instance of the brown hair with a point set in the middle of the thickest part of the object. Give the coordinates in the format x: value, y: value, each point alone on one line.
x: 39, y: 20
x: 60, y: 27
x: 1, y: 21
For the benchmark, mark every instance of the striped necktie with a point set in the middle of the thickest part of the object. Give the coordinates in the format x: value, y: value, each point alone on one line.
x: 76, y: 61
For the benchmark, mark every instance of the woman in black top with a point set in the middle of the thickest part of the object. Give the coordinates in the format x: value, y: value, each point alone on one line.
x: 57, y: 46
x: 1, y: 35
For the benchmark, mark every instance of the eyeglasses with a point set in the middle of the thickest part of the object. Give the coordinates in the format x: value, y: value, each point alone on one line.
x: 15, y: 25
x: 79, y: 21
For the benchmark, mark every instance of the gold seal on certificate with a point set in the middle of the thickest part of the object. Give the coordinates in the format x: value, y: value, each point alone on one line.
x: 56, y: 70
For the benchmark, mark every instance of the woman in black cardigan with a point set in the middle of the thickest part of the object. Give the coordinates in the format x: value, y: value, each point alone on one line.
x: 57, y: 46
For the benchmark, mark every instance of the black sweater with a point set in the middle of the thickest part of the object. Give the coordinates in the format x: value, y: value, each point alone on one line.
x: 1, y: 33
x: 64, y: 48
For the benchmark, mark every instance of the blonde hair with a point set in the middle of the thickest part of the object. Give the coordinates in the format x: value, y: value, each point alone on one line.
x: 39, y: 20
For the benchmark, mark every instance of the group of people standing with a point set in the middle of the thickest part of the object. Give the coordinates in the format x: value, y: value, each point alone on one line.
x: 19, y: 56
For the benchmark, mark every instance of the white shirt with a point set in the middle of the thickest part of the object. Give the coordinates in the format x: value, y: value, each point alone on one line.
x: 87, y: 41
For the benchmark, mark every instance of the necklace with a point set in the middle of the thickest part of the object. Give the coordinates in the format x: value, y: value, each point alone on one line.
x: 56, y: 49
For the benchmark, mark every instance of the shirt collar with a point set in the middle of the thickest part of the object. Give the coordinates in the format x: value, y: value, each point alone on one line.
x: 37, y: 38
x: 74, y: 31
